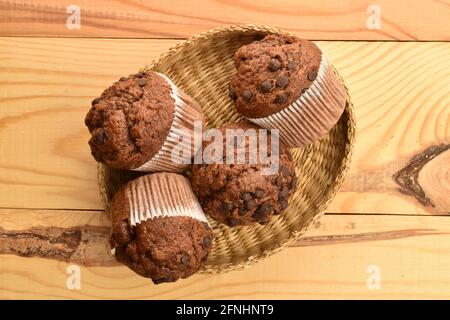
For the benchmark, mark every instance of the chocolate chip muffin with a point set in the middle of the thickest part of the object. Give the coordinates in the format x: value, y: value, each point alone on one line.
x: 286, y: 83
x: 158, y: 228
x: 243, y: 193
x: 135, y: 123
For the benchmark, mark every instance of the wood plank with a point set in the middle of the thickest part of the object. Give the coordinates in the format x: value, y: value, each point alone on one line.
x: 335, y: 259
x: 320, y: 20
x: 400, y: 92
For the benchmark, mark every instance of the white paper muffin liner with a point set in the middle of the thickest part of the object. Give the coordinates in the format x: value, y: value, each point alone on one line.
x: 186, y: 112
x: 312, y: 115
x: 162, y: 195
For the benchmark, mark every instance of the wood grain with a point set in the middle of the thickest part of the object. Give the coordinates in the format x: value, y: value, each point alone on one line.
x: 74, y: 236
x: 320, y: 20
x: 412, y: 253
x: 434, y: 180
x: 400, y: 92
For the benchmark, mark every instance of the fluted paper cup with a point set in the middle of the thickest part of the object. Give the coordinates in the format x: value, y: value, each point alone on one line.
x: 313, y: 114
x: 154, y: 196
x: 162, y: 195
x: 186, y: 113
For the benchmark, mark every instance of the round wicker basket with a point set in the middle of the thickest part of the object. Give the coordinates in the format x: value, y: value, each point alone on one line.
x: 202, y: 66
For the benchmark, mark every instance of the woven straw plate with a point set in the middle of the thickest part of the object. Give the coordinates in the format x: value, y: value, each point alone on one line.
x: 202, y: 67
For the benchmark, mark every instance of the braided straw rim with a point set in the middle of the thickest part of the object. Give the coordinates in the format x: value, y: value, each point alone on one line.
x: 347, y: 121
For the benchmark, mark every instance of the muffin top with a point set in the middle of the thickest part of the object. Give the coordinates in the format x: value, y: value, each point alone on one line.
x: 163, y: 248
x: 240, y: 194
x: 130, y: 120
x: 272, y: 73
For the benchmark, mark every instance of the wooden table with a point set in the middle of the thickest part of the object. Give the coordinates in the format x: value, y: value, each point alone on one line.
x: 387, y: 232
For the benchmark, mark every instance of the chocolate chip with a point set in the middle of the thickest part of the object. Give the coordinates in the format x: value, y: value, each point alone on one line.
x: 274, y: 65
x: 142, y: 82
x: 304, y: 90
x: 283, y: 204
x: 292, y: 65
x: 139, y: 75
x: 281, y: 98
x: 162, y: 280
x: 123, y: 79
x: 265, y: 86
x: 250, y: 204
x: 246, y: 196
x: 95, y: 101
x: 259, y: 193
x: 283, y: 194
x: 285, y: 171
x: 279, y: 181
x: 135, y: 132
x: 312, y: 75
x: 226, y: 207
x: 99, y: 137
x: 207, y: 242
x: 247, y: 95
x: 293, y: 183
x: 123, y: 233
x: 185, y: 259
x: 263, y: 211
x: 242, y: 211
x: 231, y: 222
x: 282, y: 82
x: 101, y: 106
x: 232, y: 94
